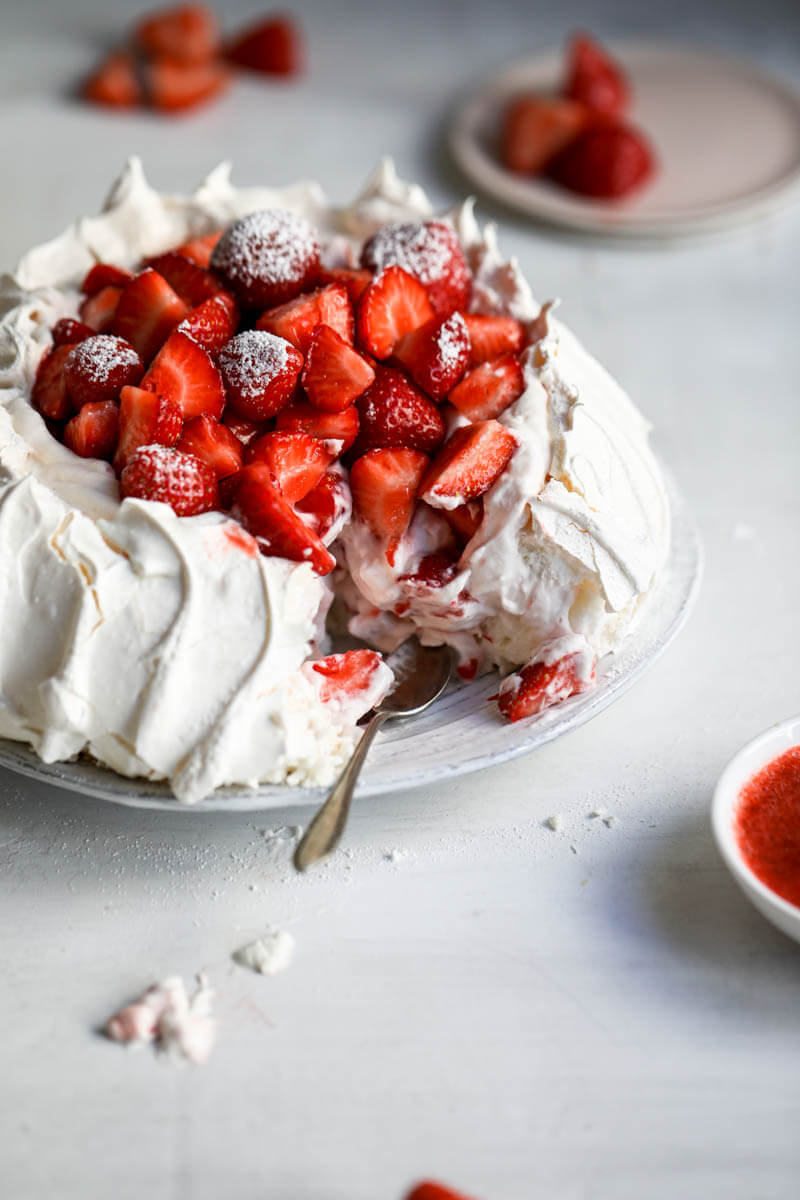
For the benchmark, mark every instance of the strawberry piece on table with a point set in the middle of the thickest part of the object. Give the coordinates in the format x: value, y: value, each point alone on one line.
x: 260, y: 372
x: 296, y: 461
x: 145, y: 419
x: 184, y: 373
x: 346, y: 674
x: 394, y: 304
x: 607, y: 161
x: 68, y: 332
x: 173, y: 86
x: 199, y: 250
x: 148, y: 311
x: 395, y: 412
x: 468, y: 464
x: 353, y: 279
x: 272, y: 47
x: 270, y: 518
x: 98, y: 368
x: 192, y: 283
x: 431, y: 252
x: 212, y: 323
x: 334, y: 374
x: 594, y: 79
x: 115, y: 83
x: 213, y: 444
x: 94, y: 431
x: 325, y: 504
x: 297, y: 320
x: 187, y: 33
x: 164, y: 474
x: 103, y: 275
x: 267, y: 257
x: 489, y: 389
x: 536, y: 129
x: 49, y: 394
x: 99, y: 310
x: 466, y: 519
x: 490, y: 337
x: 341, y: 429
x: 539, y: 685
x: 384, y: 484
x: 437, y: 354
x: 429, y: 1190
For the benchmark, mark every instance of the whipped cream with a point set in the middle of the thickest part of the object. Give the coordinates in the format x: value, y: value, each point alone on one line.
x: 268, y: 955
x: 180, y: 1025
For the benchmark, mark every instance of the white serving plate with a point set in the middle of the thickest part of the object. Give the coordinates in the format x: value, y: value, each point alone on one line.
x: 727, y: 137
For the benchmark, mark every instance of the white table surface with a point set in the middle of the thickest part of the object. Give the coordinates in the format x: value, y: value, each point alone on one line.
x: 590, y: 1013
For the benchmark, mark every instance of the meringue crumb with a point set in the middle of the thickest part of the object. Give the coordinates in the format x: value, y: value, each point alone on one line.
x: 268, y: 955
x: 393, y: 856
x: 177, y: 1024
x: 554, y: 823
x: 602, y: 813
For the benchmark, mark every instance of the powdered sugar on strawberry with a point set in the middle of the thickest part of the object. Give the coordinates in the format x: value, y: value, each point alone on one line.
x: 252, y: 359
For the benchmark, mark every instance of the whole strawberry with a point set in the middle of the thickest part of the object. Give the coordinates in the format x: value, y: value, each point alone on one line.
x: 168, y: 476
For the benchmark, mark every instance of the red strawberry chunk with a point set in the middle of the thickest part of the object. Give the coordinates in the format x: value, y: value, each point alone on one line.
x: 433, y: 571
x: 607, y: 161
x: 145, y: 419
x: 192, y: 283
x: 93, y: 432
x: 49, y: 392
x: 260, y: 372
x: 174, y: 86
x: 539, y: 685
x: 334, y: 374
x: 490, y: 337
x: 148, y: 311
x: 163, y: 474
x: 296, y: 461
x: 353, y: 279
x: 434, y: 1191
x: 395, y: 412
x: 212, y: 323
x: 98, y: 368
x: 267, y: 257
x: 346, y: 674
x: 468, y: 464
x: 384, y: 485
x: 213, y: 444
x: 68, y: 332
x: 103, y: 275
x: 536, y: 129
x: 273, y: 47
x: 242, y: 429
x: 489, y: 389
x: 594, y: 79
x: 466, y: 519
x: 269, y: 517
x: 115, y: 83
x: 297, y: 320
x: 199, y: 250
x: 184, y: 373
x: 431, y: 252
x: 437, y: 354
x: 186, y: 32
x: 340, y: 429
x: 98, y: 311
x: 394, y: 304
x: 325, y: 504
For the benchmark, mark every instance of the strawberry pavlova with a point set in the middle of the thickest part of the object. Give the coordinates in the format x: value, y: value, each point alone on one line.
x: 218, y: 411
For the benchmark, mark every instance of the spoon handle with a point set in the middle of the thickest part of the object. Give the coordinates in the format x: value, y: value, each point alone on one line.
x: 324, y: 832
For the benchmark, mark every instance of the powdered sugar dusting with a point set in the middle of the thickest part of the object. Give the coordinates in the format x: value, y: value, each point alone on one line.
x: 101, y: 357
x: 164, y: 474
x: 452, y: 340
x: 267, y: 247
x: 423, y: 248
x: 252, y: 360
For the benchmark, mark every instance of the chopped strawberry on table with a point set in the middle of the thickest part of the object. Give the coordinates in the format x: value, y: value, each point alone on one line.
x: 296, y: 461
x: 115, y: 82
x: 260, y: 372
x: 272, y: 47
x: 394, y: 304
x: 384, y: 484
x: 488, y: 389
x: 541, y: 684
x: 184, y: 373
x: 298, y: 319
x: 335, y: 374
x: 164, y: 474
x: 174, y: 87
x: 490, y: 336
x: 536, y: 129
x: 213, y: 444
x: 437, y: 354
x: 395, y: 412
x: 593, y: 79
x: 99, y: 367
x: 94, y: 431
x: 147, y: 312
x: 468, y: 464
x: 267, y: 257
x: 270, y: 518
x: 187, y: 33
x: 606, y: 161
x: 145, y: 419
x: 431, y: 252
x: 339, y: 428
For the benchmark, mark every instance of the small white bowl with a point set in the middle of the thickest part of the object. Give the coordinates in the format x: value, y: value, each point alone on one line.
x: 749, y: 760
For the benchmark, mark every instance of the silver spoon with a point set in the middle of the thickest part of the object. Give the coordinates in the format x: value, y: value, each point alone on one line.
x: 421, y: 675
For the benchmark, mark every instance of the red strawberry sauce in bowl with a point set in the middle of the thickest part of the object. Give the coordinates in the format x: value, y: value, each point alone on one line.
x: 756, y: 823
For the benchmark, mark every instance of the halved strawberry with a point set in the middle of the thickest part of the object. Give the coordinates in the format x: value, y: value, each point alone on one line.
x: 163, y: 474
x: 488, y: 389
x: 99, y: 310
x: 298, y: 318
x: 192, y: 283
x: 334, y: 374
x: 437, y: 354
x: 468, y: 464
x: 49, y: 393
x: 183, y: 372
x: 260, y: 371
x: 394, y: 304
x: 267, y: 257
x: 94, y: 431
x: 341, y: 429
x: 607, y: 161
x: 148, y: 311
x: 354, y: 280
x: 115, y: 83
x: 394, y: 412
x: 174, y: 86
x: 594, y: 79
x: 539, y: 685
x: 212, y: 323
x: 465, y: 520
x: 103, y: 275
x: 199, y: 250
x: 213, y: 444
x: 346, y: 674
x: 273, y: 47
x: 187, y: 32
x: 68, y: 332
x: 99, y: 367
x: 144, y: 420
x: 296, y: 461
x: 326, y: 503
x: 269, y: 517
x: 384, y: 484
x: 242, y: 429
x: 431, y: 252
x: 536, y: 129
x: 489, y: 337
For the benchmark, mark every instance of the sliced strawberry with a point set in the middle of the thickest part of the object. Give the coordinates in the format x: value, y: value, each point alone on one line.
x: 174, y: 86
x: 98, y: 368
x: 183, y: 372
x: 433, y: 571
x: 539, y: 685
x: 384, y: 484
x: 536, y: 129
x: 273, y: 47
x: 466, y: 519
x: 243, y: 430
x: 346, y: 674
x: 353, y: 279
x: 99, y: 310
x: 267, y: 257
x: 145, y: 419
x: 103, y: 275
x: 260, y: 372
x: 49, y: 392
x: 489, y: 389
x: 93, y: 432
x: 212, y: 323
x: 325, y: 504
x: 607, y: 161
x: 394, y: 412
x: 334, y: 374
x: 594, y: 79
x: 490, y: 337
x: 394, y: 304
x: 148, y: 311
x: 341, y: 429
x: 68, y: 332
x: 468, y: 464
x: 297, y: 319
x: 213, y: 444
x: 187, y: 33
x: 192, y: 283
x: 434, y: 1191
x: 296, y: 461
x: 115, y: 83
x: 199, y: 250
x: 437, y: 354
x: 269, y: 517
x: 431, y: 252
x: 163, y: 474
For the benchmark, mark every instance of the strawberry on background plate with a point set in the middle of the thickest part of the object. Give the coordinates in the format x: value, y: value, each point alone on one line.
x: 174, y: 86
x: 606, y: 161
x: 536, y: 129
x: 594, y: 79
x: 164, y: 474
x: 187, y: 33
x: 115, y: 82
x: 431, y: 252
